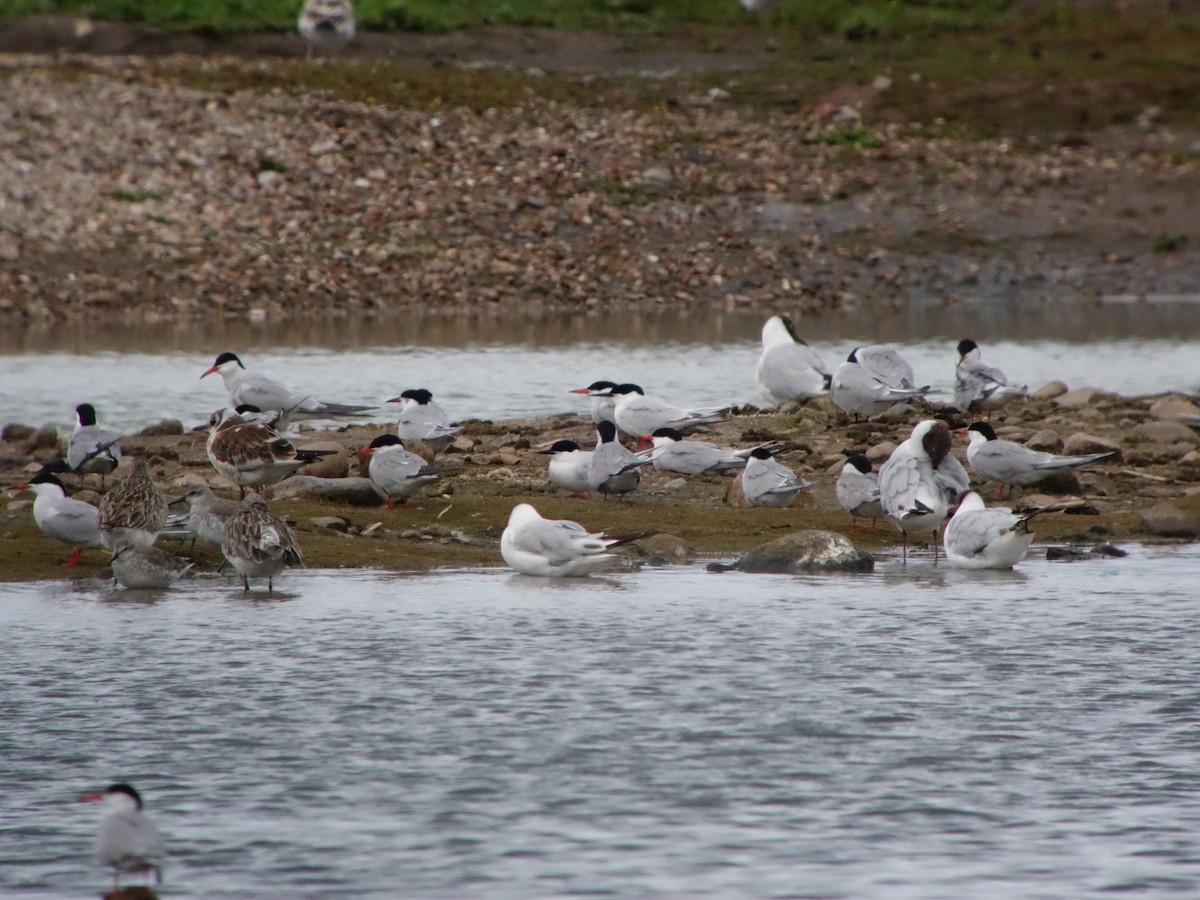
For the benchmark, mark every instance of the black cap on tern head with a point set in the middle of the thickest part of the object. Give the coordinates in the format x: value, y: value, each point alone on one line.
x: 983, y: 428
x: 859, y: 462
x: 672, y: 433
x: 44, y: 477
x: 560, y: 447
x: 126, y: 789
x: 86, y: 413
x: 227, y: 357
x: 791, y: 328
x: 385, y: 440
x: 421, y: 395
x: 853, y: 357
x: 760, y: 453
x: 965, y: 346
x: 607, y: 431
x: 627, y: 388
x: 601, y: 385
x: 246, y: 408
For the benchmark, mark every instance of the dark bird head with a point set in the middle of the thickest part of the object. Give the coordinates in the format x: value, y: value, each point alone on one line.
x: 420, y: 395
x: 983, y: 428
x: 226, y: 357
x: 86, y: 414
x: 626, y: 389
x: 760, y: 453
x: 607, y: 431
x: 560, y: 447
x: 672, y: 433
x: 965, y: 346
x: 859, y: 462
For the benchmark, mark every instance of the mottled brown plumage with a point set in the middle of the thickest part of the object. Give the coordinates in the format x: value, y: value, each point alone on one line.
x: 134, y: 512
x: 253, y: 454
x: 259, y: 544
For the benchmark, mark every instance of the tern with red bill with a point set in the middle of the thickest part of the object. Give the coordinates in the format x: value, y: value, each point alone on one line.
x: 128, y: 841
x: 267, y: 395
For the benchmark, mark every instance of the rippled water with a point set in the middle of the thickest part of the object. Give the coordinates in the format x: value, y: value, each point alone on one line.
x: 506, y: 369
x: 915, y: 733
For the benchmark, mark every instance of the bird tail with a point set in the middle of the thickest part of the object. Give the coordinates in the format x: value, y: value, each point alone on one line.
x: 344, y: 409
x: 312, y: 455
x: 1076, y: 462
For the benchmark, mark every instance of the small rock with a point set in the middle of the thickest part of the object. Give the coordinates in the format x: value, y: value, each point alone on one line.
x: 1160, y: 432
x: 880, y: 451
x: 1081, y: 443
x: 333, y: 523
x: 1171, y: 407
x: 898, y: 412
x: 803, y: 551
x: 45, y: 438
x: 463, y: 444
x: 335, y: 465
x: 664, y: 550
x: 323, y: 148
x: 503, y: 459
x: 1046, y: 440
x: 1050, y: 390
x: 1064, y: 481
x: 161, y: 429
x: 16, y: 432
x: 1080, y: 397
x: 1168, y: 520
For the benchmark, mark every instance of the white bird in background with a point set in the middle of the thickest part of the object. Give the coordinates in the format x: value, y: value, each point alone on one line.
x: 637, y: 415
x: 92, y: 449
x: 981, y: 538
x: 554, y: 548
x: 766, y: 482
x: 602, y: 399
x: 568, y: 467
x: 788, y: 368
x: 885, y: 361
x: 857, y: 391
x: 146, y: 568
x: 671, y: 453
x: 913, y: 495
x: 857, y: 491
x: 128, y: 841
x: 396, y: 471
x: 423, y: 420
x: 327, y: 25
x: 62, y: 518
x: 259, y: 544
x: 1009, y: 463
x: 613, y: 469
x: 270, y: 396
x: 980, y: 388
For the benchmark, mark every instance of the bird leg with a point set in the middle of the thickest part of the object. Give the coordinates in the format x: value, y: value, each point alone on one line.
x: 853, y: 524
x: 389, y: 504
x: 872, y: 526
x: 904, y: 545
x: 75, y: 555
x: 270, y: 585
x: 245, y: 585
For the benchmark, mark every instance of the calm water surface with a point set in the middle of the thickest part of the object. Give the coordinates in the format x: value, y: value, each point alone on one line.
x: 915, y: 733
x: 505, y: 369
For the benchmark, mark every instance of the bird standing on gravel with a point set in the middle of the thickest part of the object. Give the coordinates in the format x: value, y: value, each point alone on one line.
x: 253, y: 454
x: 857, y: 491
x: 859, y: 391
x: 788, y: 368
x: 977, y: 387
x: 268, y: 396
x: 1009, y: 463
x: 638, y: 415
x: 602, y: 399
x: 671, y: 453
x: 613, y: 469
x: 568, y: 467
x: 395, y: 471
x: 423, y: 420
x: 92, y: 449
x: 61, y: 517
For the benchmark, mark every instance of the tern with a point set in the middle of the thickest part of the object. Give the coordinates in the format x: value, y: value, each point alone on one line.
x: 554, y: 548
x: 133, y: 512
x: 259, y: 544
x: 62, y: 518
x: 766, y: 482
x: 981, y: 538
x: 1009, y: 463
x: 788, y: 368
x: 602, y: 399
x: 253, y: 454
x: 980, y: 388
x: 146, y: 568
x: 885, y: 361
x: 671, y: 453
x: 423, y: 420
x: 92, y: 449
x: 636, y: 414
x: 912, y: 492
x: 327, y: 25
x: 127, y: 841
x: 568, y: 467
x: 396, y: 471
x: 857, y: 491
x: 268, y: 396
x: 613, y: 469
x: 856, y: 390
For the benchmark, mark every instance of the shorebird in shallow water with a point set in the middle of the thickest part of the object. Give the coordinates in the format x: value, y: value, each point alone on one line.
x: 128, y: 841
x: 259, y: 544
x: 981, y: 538
x: 554, y: 548
x: 142, y: 568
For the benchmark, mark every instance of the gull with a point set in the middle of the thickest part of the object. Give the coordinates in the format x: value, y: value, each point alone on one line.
x: 268, y: 395
x: 613, y: 469
x: 259, y: 544
x: 423, y: 420
x: 133, y: 512
x: 636, y: 414
x: 857, y: 491
x: 92, y: 449
x: 395, y: 471
x: 671, y: 453
x: 981, y: 538
x: 913, y: 495
x: 327, y: 25
x: 856, y: 390
x: 62, y: 518
x: 146, y: 568
x: 769, y: 483
x: 885, y: 361
x: 253, y: 454
x: 127, y: 840
x: 1009, y: 463
x: 980, y: 388
x: 602, y: 399
x: 279, y: 419
x: 208, y: 514
x: 568, y: 467
x: 554, y: 548
x: 788, y: 368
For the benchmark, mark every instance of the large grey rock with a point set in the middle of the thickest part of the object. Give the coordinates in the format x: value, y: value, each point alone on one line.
x: 351, y: 491
x: 1160, y: 432
x: 802, y: 551
x: 1168, y: 520
x: 1082, y: 443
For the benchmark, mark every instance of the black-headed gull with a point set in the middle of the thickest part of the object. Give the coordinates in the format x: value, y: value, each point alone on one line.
x: 92, y: 449
x: 270, y: 396
x: 259, y: 544
x: 568, y: 467
x: 857, y: 491
x: 980, y: 538
x: 1009, y: 463
x: 554, y: 548
x: 133, y: 512
x: 396, y: 471
x: 127, y: 841
x: 788, y: 368
x: 913, y: 494
x: 978, y: 387
x: 766, y: 482
x: 856, y: 390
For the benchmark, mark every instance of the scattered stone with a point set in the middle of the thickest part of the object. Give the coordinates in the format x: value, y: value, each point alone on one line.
x: 1080, y: 397
x: 1045, y: 440
x: 1069, y: 554
x: 898, y: 412
x: 335, y: 465
x: 1172, y: 407
x: 163, y: 429
x: 1081, y: 444
x: 802, y: 551
x: 1167, y: 520
x: 45, y: 438
x: 880, y: 451
x: 16, y: 432
x: 1050, y: 390
x: 351, y: 491
x: 1062, y: 481
x: 333, y: 523
x: 1165, y: 432
x: 503, y: 459
x: 664, y: 550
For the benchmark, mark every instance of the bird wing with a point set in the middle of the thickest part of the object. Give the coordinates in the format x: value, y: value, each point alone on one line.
x: 557, y: 541
x: 887, y: 363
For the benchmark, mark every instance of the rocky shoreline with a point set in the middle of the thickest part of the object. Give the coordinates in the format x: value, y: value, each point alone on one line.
x: 1150, y: 493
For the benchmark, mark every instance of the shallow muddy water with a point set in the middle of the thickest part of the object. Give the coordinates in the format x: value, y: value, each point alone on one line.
x: 913, y: 733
